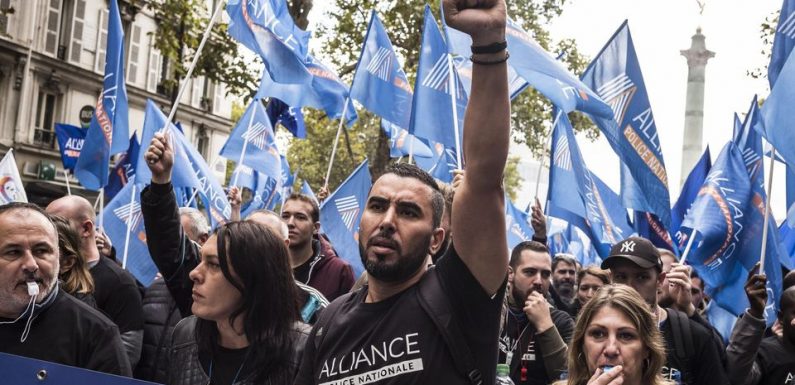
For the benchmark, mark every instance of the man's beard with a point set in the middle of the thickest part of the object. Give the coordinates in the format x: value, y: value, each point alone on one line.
x: 405, y: 266
x: 565, y: 289
x: 520, y: 297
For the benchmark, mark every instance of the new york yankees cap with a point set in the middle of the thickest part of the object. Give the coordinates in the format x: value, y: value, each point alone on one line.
x: 639, y: 251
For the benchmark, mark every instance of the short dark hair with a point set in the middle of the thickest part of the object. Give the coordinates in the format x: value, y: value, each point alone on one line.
x: 563, y: 257
x: 12, y: 206
x: 406, y: 170
x: 526, y: 245
x: 315, y: 214
x: 788, y: 281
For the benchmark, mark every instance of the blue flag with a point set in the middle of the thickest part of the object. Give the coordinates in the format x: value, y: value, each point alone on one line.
x: 210, y: 190
x: 266, y: 27
x: 341, y: 212
x: 690, y: 191
x: 786, y: 233
x: 583, y: 250
x: 182, y: 175
x: 401, y: 143
x: 307, y: 190
x: 648, y: 226
x: 616, y: 76
x: 379, y: 82
x: 728, y: 239
x: 517, y: 225
x: 122, y: 208
x: 70, y: 142
x: 324, y: 91
x: 738, y: 125
x: 264, y: 190
x: 598, y: 207
x: 432, y: 107
x: 289, y: 117
x: 749, y: 142
x: 783, y: 41
x: 124, y: 169
x: 777, y: 120
x: 722, y: 319
x: 252, y: 141
x: 108, y: 132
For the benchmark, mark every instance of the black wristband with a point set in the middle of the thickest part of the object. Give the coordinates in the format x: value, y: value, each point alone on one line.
x: 487, y: 62
x: 489, y: 48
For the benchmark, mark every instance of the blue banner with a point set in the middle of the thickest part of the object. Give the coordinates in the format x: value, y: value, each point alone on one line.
x: 307, y: 190
x: 379, y: 82
x: 123, y: 208
x: 783, y: 41
x: 266, y: 27
x: 517, y: 225
x: 616, y: 77
x: 253, y: 141
x: 70, y: 142
x: 689, y: 192
x: 25, y: 371
x: 108, y: 131
x: 341, y: 212
x: 401, y: 143
x: 432, y: 107
x: 776, y: 119
x: 324, y: 91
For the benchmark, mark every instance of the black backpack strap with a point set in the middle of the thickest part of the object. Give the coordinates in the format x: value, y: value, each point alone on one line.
x: 432, y: 299
x: 683, y: 339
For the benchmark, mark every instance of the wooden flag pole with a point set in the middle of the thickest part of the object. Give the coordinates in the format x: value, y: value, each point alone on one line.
x: 451, y: 84
x: 336, y: 141
x: 767, y: 209
x: 687, y: 248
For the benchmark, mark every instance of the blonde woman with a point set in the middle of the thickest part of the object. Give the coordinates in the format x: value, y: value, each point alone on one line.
x: 74, y: 274
x: 616, y: 341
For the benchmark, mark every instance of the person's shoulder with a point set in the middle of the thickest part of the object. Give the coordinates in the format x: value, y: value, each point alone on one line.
x: 120, y: 276
x: 82, y: 312
x: 333, y: 262
x: 560, y: 316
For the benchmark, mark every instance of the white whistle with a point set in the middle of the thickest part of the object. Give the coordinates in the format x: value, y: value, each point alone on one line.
x: 33, y: 289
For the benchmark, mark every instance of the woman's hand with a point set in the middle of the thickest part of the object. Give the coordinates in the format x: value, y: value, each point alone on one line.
x: 612, y: 377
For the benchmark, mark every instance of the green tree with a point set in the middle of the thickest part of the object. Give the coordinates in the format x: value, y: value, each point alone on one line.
x: 341, y: 45
x: 767, y: 32
x: 180, y: 26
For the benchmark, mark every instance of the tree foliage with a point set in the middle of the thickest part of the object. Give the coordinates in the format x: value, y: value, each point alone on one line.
x: 180, y: 26
x: 342, y: 40
x: 767, y: 32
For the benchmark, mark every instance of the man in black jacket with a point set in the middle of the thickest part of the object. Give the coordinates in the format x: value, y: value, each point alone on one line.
x: 38, y: 320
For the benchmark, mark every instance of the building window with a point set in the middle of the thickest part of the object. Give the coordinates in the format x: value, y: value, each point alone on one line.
x: 5, y: 15
x: 203, y: 141
x: 44, y: 133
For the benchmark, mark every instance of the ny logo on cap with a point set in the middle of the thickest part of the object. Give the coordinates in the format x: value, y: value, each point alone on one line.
x: 628, y: 246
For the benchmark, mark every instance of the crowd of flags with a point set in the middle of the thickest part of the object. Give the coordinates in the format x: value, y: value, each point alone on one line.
x: 720, y: 210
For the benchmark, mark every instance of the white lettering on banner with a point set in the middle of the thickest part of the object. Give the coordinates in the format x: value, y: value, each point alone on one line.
x: 789, y: 379
x: 646, y: 122
x: 219, y: 206
x: 731, y: 212
x: 568, y: 91
x: 373, y: 355
x: 381, y: 374
x: 75, y: 144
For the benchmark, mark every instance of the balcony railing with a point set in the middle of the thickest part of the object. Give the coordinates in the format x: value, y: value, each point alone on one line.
x: 43, y: 138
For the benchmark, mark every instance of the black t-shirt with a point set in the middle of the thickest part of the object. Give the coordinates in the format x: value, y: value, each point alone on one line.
x: 519, y: 336
x: 68, y: 332
x: 225, y: 366
x: 117, y: 295
x: 776, y: 361
x: 703, y: 368
x: 395, y: 342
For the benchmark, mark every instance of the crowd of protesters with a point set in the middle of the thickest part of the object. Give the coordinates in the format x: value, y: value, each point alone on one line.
x: 266, y: 300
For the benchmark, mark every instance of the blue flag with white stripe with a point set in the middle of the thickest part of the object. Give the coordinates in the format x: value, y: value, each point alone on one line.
x: 432, y: 106
x: 401, y: 143
x: 776, y: 118
x: 108, y: 132
x: 118, y: 211
x: 517, y: 225
x: 266, y: 27
x: 290, y: 118
x: 70, y: 142
x: 264, y: 190
x: 324, y: 91
x: 783, y: 41
x: 341, y: 212
x: 616, y: 77
x: 689, y: 192
x: 253, y: 139
x: 379, y: 82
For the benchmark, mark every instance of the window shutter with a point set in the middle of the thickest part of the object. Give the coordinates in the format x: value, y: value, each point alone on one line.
x: 4, y: 19
x: 53, y: 27
x: 155, y: 65
x: 76, y: 48
x: 135, y: 55
x: 102, y: 41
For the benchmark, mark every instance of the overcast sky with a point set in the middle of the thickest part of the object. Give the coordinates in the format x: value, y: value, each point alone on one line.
x: 660, y: 29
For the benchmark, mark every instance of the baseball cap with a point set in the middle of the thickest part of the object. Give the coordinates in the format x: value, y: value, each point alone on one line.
x: 639, y: 251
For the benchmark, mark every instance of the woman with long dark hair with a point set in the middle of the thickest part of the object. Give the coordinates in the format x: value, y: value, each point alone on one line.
x: 245, y: 327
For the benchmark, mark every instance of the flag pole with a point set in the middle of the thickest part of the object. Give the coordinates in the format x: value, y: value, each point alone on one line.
x: 767, y: 209
x: 336, y: 141
x: 188, y: 75
x: 687, y: 248
x: 101, y: 207
x: 129, y: 224
x: 411, y: 149
x: 543, y: 156
x: 453, y: 100
x: 192, y: 197
x: 245, y: 144
x: 66, y: 178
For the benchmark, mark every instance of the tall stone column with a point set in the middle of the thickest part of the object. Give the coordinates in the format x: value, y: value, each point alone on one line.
x: 697, y: 56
